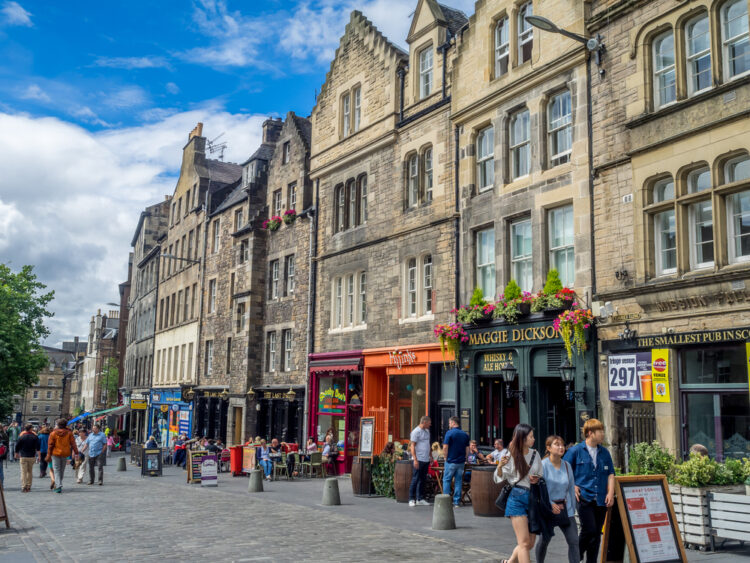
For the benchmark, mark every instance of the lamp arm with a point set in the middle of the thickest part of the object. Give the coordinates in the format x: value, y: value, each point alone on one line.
x: 575, y: 36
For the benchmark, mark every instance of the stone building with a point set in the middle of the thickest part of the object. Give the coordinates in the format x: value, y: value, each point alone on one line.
x: 232, y: 313
x: 144, y: 280
x: 183, y: 249
x: 102, y: 349
x: 381, y: 163
x: 519, y: 106
x: 70, y: 387
x: 43, y: 401
x: 672, y: 223
x: 279, y: 390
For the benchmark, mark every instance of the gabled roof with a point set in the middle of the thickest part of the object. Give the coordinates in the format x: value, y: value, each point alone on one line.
x: 455, y: 19
x: 452, y: 19
x: 236, y: 196
x: 220, y: 172
x: 304, y: 126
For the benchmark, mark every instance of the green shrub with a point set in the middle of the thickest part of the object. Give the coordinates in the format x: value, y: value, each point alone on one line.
x: 382, y: 476
x: 651, y: 459
x: 477, y: 298
x: 512, y: 291
x: 553, y: 283
x: 698, y: 471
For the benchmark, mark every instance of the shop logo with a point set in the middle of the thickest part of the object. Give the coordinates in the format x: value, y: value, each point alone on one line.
x: 660, y: 364
x: 399, y: 358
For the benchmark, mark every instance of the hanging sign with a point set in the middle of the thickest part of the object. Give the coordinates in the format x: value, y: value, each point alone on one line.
x: 660, y: 374
x: 629, y: 377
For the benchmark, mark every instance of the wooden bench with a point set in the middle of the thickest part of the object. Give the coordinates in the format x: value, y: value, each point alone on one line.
x: 729, y: 517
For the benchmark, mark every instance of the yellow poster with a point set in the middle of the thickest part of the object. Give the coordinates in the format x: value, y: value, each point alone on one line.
x: 660, y: 374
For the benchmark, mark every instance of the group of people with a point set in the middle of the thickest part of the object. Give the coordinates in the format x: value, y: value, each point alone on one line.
x: 268, y: 454
x: 53, y: 449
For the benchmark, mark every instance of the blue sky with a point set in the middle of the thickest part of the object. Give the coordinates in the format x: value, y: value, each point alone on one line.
x: 97, y: 100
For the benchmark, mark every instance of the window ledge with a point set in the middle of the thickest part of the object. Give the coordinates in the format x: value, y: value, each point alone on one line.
x: 345, y: 329
x: 411, y: 320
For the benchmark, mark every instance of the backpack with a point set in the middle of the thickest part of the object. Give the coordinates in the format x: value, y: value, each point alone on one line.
x: 3, y: 451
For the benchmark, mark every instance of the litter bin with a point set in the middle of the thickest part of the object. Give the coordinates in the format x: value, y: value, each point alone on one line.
x: 235, y: 460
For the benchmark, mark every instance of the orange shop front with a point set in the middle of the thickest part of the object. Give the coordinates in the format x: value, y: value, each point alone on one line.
x: 402, y: 384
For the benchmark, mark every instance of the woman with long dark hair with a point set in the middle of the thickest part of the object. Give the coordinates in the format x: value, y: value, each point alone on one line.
x: 520, y: 468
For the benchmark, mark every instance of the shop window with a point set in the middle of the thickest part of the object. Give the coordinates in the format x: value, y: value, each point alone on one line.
x: 561, y: 243
x: 486, y: 158
x: 425, y: 72
x: 407, y: 403
x: 520, y: 253
x: 700, y: 217
x: 665, y: 239
x: 525, y: 34
x: 485, y: 262
x: 698, y: 42
x: 560, y: 128
x: 520, y: 148
x: 734, y: 37
x: 502, y: 46
x: 665, y: 90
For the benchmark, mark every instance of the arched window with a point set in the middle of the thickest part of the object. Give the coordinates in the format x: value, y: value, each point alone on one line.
x: 665, y: 90
x: 427, y: 182
x: 362, y: 185
x: 734, y: 38
x: 698, y: 48
x: 412, y: 181
x: 502, y: 46
x: 663, y: 190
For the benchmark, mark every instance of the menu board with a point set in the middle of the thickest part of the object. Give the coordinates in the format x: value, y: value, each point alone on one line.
x: 366, y: 434
x: 209, y: 470
x: 195, y: 459
x: 151, y: 462
x: 248, y: 459
x: 629, y: 377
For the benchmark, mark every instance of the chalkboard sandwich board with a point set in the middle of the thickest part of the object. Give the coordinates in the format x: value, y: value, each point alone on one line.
x: 643, y: 520
x: 151, y: 462
x: 195, y: 461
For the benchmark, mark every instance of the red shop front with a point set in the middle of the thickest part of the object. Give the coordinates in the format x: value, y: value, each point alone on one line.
x: 336, y: 401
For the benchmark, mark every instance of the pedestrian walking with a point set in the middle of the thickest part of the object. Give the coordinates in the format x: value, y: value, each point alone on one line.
x: 3, y: 457
x: 520, y: 468
x: 558, y: 475
x: 594, y: 475
x: 96, y: 447
x: 13, y: 433
x: 82, y: 462
x: 455, y: 450
x: 110, y: 445
x: 179, y: 451
x: 419, y: 447
x: 43, y: 442
x: 27, y: 452
x: 61, y: 445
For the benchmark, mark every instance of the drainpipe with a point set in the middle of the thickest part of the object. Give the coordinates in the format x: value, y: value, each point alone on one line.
x: 457, y: 248
x: 401, y: 72
x: 312, y: 265
x: 590, y: 131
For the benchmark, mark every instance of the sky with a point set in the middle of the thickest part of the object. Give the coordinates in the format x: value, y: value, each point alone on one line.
x: 97, y: 100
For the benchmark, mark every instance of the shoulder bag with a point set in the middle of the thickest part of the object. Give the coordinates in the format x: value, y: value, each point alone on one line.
x: 502, y: 498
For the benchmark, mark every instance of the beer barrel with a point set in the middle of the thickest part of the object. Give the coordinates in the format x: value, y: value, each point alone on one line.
x: 484, y: 491
x: 361, y: 477
x: 402, y: 479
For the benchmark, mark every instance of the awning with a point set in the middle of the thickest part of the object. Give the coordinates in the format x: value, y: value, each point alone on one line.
x: 79, y: 417
x: 105, y: 411
x: 334, y: 367
x: 120, y: 410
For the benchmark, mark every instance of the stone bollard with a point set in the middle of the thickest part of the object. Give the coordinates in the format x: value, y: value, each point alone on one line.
x: 331, y: 492
x: 442, y: 514
x: 256, y: 481
x: 121, y: 464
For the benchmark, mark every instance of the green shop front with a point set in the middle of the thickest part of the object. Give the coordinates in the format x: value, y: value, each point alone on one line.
x: 511, y: 373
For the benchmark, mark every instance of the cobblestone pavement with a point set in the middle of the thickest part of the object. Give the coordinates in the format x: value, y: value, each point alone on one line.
x: 132, y: 518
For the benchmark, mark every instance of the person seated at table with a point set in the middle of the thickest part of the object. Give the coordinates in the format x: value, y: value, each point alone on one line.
x: 311, y: 447
x: 263, y: 456
x: 213, y: 447
x: 436, y: 451
x: 498, y: 452
x: 330, y: 453
x: 151, y: 443
x: 475, y: 457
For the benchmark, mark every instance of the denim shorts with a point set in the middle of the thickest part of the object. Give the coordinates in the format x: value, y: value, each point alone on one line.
x: 518, y: 502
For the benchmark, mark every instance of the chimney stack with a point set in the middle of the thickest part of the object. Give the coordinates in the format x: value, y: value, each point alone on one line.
x: 272, y: 130
x: 196, y: 132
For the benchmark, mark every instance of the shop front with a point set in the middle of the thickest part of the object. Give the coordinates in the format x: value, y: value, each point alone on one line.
x: 280, y: 412
x: 520, y: 373
x: 335, y: 403
x: 211, y: 407
x: 404, y: 383
x: 694, y: 384
x: 168, y: 415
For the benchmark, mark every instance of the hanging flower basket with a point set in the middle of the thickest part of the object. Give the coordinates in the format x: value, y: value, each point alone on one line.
x: 273, y: 223
x: 451, y: 336
x: 572, y: 325
x: 290, y: 215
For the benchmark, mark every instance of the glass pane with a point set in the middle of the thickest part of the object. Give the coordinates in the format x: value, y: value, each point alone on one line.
x: 739, y: 57
x: 716, y: 365
x: 664, y: 51
x: 703, y: 232
x: 738, y: 170
x: 698, y: 37
x: 740, y: 210
x: 663, y: 190
x: 735, y: 425
x: 699, y: 415
x: 666, y: 241
x: 699, y: 180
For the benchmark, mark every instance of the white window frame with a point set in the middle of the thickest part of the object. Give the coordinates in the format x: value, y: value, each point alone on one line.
x: 289, y: 267
x: 411, y: 287
x: 486, y: 159
x: 277, y: 202
x: 427, y: 172
x: 663, y: 71
x: 488, y: 236
x: 362, y: 186
x: 661, y: 192
x: 340, y: 203
x: 212, y: 296
x: 560, y: 124
x: 286, y: 152
x: 520, y: 145
x: 525, y: 30
x: 502, y: 46
x: 659, y: 249
x: 351, y: 188
x: 362, y: 297
x: 732, y: 235
x: 287, y: 343
x: 271, y: 351
x: 239, y: 221
x: 693, y: 179
x: 694, y: 225
x: 217, y: 235
x: 412, y: 190
x: 351, y: 318
x: 274, y: 279
x: 425, y: 72
x: 695, y: 57
x: 244, y: 251
x: 357, y: 108
x: 521, y: 264
x: 427, y: 278
x: 209, y: 356
x: 730, y: 175
x: 338, y: 288
x: 292, y: 196
x: 346, y: 110
x: 564, y: 213
x: 728, y: 42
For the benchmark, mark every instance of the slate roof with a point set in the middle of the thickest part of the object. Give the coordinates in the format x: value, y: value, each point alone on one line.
x: 235, y: 196
x: 220, y: 172
x: 264, y: 152
x: 456, y: 18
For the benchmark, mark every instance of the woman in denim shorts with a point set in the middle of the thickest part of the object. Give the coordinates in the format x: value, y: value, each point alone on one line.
x: 520, y: 467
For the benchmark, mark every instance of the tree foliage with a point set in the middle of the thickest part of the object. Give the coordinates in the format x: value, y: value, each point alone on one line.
x: 23, y: 310
x: 110, y: 381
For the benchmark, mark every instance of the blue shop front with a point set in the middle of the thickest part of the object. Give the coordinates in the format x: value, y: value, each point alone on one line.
x: 168, y: 415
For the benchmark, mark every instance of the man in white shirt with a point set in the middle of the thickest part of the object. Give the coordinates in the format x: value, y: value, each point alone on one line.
x: 499, y: 451
x: 419, y: 447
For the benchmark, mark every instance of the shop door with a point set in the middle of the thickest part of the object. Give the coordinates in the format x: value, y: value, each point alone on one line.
x: 556, y: 414
x: 237, y: 433
x: 491, y: 411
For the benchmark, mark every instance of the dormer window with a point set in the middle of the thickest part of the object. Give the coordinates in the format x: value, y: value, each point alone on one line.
x: 425, y: 72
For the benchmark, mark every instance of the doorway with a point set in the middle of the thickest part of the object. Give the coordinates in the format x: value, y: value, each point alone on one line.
x: 498, y: 415
x: 555, y: 413
x: 237, y: 431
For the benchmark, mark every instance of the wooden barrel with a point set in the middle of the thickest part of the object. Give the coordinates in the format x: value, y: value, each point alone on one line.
x: 484, y: 491
x: 402, y: 479
x: 361, y: 477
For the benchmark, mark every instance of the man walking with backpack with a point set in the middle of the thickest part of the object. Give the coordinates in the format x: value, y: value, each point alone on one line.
x: 61, y: 444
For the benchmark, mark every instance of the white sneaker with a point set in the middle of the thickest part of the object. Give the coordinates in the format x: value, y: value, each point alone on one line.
x: 423, y: 503
x: 412, y: 503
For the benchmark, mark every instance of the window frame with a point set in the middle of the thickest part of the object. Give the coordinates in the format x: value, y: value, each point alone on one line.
x: 209, y: 363
x: 658, y: 72
x: 412, y: 181
x: 515, y: 146
x: 425, y: 72
x: 286, y: 152
x: 287, y: 348
x: 411, y: 287
x: 485, y: 162
x: 274, y: 277
x: 346, y: 110
x: 211, y: 295
x: 362, y: 195
x: 692, y: 58
x: 291, y: 196
x: 502, y: 50
x: 271, y: 351
x: 554, y: 250
x: 693, y: 225
x: 427, y: 174
x: 289, y: 274
x: 362, y: 287
x: 728, y: 42
x: 524, y: 34
x: 516, y: 258
x: 480, y: 235
x: 659, y: 250
x: 357, y: 114
x: 276, y: 202
x: 427, y: 278
x: 564, y: 123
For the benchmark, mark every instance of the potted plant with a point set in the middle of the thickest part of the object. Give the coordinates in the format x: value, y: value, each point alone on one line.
x: 289, y: 216
x: 572, y: 325
x: 567, y: 297
x: 273, y: 223
x: 525, y: 302
x: 507, y: 310
x: 450, y: 335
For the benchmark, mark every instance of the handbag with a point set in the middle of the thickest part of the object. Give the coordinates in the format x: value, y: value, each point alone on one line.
x: 502, y: 499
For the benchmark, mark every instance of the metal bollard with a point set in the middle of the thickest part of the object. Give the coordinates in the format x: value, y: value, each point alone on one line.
x: 331, y: 492
x: 442, y: 514
x: 256, y: 481
x: 121, y: 464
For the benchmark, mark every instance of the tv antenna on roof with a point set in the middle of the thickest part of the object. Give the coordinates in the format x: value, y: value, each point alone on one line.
x: 214, y: 147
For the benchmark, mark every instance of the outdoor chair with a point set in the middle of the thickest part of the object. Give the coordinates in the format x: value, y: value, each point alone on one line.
x: 279, y: 467
x: 315, y: 465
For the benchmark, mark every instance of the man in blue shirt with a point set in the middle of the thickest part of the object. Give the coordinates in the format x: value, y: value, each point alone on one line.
x: 455, y: 450
x: 594, y: 475
x: 96, y: 445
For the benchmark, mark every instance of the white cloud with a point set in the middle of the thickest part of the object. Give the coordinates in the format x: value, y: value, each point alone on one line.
x: 34, y: 92
x: 130, y: 63
x: 70, y: 198
x: 172, y: 88
x: 127, y: 97
x: 14, y: 14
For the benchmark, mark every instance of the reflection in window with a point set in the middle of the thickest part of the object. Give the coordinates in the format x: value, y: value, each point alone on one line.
x: 485, y: 158
x: 502, y: 47
x: 738, y: 209
x: 663, y: 190
x: 698, y: 41
x: 561, y: 243
x: 520, y: 241
x: 734, y: 37
x: 485, y: 262
x: 664, y: 69
x: 560, y: 128
x: 699, y: 180
x: 701, y: 234
x: 666, y: 242
x: 520, y: 151
x: 525, y: 34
